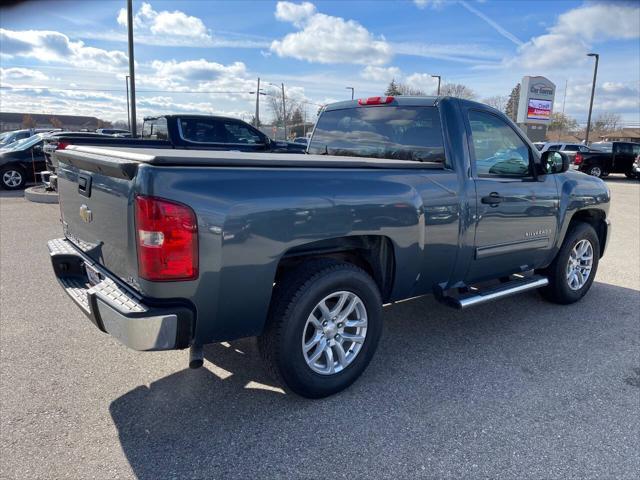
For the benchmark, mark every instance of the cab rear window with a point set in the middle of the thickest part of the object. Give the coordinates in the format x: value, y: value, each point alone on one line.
x: 395, y: 133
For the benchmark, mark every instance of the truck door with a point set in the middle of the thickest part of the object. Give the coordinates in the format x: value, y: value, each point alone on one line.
x: 622, y: 157
x: 516, y: 209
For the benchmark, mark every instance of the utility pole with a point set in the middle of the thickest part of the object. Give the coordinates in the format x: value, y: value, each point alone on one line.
x: 593, y: 91
x: 257, y: 125
x: 126, y: 83
x: 132, y: 74
x: 564, y: 99
x: 284, y: 114
x: 439, y: 79
x: 352, y: 90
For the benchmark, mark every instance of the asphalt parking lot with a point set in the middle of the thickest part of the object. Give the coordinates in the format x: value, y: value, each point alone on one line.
x: 515, y: 389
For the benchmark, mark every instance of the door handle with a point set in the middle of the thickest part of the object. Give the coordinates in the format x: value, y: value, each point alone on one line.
x: 492, y: 199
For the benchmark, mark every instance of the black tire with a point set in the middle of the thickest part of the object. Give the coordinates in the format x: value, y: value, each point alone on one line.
x: 295, y: 297
x: 632, y: 175
x: 595, y: 171
x: 9, y: 175
x: 558, y: 290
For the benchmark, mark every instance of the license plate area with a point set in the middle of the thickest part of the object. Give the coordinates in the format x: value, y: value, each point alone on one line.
x: 94, y: 276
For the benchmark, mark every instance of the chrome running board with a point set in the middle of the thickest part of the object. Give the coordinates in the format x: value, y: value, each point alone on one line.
x: 503, y: 290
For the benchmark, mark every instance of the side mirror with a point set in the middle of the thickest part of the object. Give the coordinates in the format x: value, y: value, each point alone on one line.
x: 554, y: 162
x: 37, y: 149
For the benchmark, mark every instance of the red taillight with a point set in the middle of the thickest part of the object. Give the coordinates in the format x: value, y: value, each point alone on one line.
x: 167, y: 238
x: 578, y: 159
x: 61, y: 145
x: 375, y: 100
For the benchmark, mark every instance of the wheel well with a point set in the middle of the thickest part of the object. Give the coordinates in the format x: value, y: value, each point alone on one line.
x: 597, y: 219
x: 372, y: 253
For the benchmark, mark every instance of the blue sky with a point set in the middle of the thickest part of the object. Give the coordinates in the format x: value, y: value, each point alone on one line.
x: 70, y: 56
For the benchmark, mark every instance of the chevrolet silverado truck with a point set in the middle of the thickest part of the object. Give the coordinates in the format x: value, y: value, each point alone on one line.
x: 600, y: 164
x: 399, y: 197
x: 199, y: 132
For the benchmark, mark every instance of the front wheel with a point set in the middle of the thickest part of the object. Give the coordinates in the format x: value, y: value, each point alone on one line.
x: 12, y: 178
x: 632, y: 175
x: 572, y: 271
x: 324, y: 325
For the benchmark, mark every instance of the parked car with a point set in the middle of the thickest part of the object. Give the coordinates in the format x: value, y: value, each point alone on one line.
x: 402, y: 197
x: 7, y: 138
x: 302, y: 140
x: 570, y: 149
x: 601, y: 164
x: 636, y: 168
x: 539, y: 145
x: 21, y: 162
x: 194, y: 132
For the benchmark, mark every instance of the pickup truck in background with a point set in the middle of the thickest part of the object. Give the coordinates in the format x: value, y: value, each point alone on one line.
x: 199, y: 132
x: 600, y: 164
x: 400, y: 197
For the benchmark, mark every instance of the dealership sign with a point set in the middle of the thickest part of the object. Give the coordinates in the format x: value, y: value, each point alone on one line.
x: 536, y: 100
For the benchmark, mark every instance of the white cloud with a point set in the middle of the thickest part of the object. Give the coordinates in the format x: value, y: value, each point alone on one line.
x: 380, y: 74
x: 327, y: 39
x: 21, y: 74
x: 294, y: 13
x: 51, y: 46
x: 174, y: 23
x: 575, y: 31
x: 429, y: 3
x: 422, y: 81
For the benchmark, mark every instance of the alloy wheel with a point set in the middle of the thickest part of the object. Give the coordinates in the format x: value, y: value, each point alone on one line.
x: 579, y: 264
x: 12, y: 178
x: 334, y: 333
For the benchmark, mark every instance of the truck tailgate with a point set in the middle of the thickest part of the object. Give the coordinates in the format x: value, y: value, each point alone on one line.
x: 96, y: 198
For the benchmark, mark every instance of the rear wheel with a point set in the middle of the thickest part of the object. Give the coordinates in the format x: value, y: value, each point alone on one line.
x: 572, y: 271
x: 324, y: 326
x: 632, y: 175
x: 595, y: 171
x: 12, y: 178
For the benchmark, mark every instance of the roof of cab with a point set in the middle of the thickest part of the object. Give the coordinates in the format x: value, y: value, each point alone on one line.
x: 397, y: 100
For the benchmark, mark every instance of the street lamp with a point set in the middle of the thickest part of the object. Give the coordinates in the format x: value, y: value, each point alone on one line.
x: 352, y: 90
x: 593, y: 91
x: 439, y: 78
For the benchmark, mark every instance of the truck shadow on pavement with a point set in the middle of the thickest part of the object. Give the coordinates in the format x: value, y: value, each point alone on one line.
x: 439, y: 379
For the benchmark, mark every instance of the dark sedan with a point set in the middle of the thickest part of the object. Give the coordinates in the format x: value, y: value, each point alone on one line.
x: 21, y: 162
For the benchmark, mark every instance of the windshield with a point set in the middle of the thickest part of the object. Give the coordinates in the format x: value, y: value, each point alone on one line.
x: 396, y: 133
x: 24, y: 143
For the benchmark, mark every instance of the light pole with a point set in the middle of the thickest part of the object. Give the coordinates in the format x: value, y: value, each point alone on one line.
x: 439, y: 78
x: 593, y: 91
x: 132, y: 74
x: 352, y: 90
x: 126, y: 82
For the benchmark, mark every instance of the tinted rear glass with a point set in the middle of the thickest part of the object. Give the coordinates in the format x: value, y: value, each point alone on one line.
x: 396, y: 133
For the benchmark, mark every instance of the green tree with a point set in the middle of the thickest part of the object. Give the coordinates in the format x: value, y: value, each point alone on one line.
x: 511, y: 110
x: 561, y: 122
x: 393, y: 90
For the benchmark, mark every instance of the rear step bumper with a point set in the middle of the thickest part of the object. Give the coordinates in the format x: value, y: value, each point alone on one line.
x: 140, y: 324
x: 503, y: 290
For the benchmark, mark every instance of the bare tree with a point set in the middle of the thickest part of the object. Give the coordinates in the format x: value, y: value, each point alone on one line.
x: 392, y: 90
x: 607, y: 122
x: 55, y: 122
x: 275, y: 105
x: 28, y: 121
x: 562, y: 122
x: 499, y: 102
x: 457, y: 90
x: 396, y: 89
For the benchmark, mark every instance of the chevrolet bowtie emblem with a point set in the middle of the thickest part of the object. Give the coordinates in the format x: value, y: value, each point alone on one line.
x: 85, y: 214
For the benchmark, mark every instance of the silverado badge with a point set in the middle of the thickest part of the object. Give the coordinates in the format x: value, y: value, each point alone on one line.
x: 85, y: 214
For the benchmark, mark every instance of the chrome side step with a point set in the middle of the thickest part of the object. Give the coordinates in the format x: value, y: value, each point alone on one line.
x: 503, y: 290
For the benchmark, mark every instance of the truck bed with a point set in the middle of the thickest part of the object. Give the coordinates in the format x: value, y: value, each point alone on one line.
x: 126, y: 159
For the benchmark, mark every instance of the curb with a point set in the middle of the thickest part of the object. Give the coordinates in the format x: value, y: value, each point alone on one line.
x: 38, y: 194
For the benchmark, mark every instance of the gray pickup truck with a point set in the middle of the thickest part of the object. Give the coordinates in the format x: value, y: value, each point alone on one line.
x: 397, y: 197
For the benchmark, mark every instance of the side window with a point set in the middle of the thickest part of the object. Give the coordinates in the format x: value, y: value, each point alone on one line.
x: 155, y: 129
x: 203, y: 130
x: 636, y: 149
x: 238, y: 133
x: 554, y: 148
x: 571, y: 148
x: 499, y: 151
x: 623, y: 148
x: 585, y: 149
